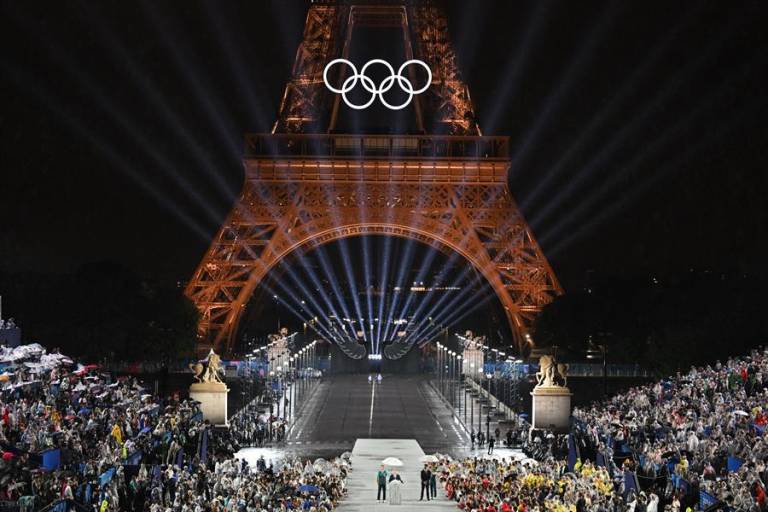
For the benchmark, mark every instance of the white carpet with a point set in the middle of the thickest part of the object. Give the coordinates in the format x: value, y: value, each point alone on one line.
x: 361, y: 482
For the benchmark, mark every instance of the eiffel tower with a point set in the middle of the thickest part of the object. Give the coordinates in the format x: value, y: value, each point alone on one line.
x: 307, y: 184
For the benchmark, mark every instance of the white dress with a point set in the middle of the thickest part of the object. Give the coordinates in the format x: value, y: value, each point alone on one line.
x: 394, y: 493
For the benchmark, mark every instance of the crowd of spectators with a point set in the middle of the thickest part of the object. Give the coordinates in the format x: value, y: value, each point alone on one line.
x: 699, y: 431
x: 688, y: 442
x: 80, y: 440
x: 253, y: 426
x: 501, y: 484
x: 7, y: 324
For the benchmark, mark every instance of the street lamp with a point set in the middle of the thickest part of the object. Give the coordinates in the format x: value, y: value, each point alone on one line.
x: 489, y: 376
x: 472, y: 402
x: 458, y: 379
x: 451, y: 375
x: 439, y: 368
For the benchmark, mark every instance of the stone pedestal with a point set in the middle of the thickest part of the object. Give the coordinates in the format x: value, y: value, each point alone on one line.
x: 551, y: 408
x: 213, y: 400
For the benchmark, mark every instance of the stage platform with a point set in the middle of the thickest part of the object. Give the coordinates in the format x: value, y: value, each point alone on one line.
x: 367, y: 455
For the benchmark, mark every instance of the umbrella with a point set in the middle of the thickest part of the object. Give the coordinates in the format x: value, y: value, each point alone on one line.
x: 741, y: 413
x: 392, y: 461
x: 530, y: 462
x: 309, y: 488
x: 429, y: 458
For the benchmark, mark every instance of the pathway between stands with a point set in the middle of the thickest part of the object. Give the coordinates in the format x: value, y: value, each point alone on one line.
x: 361, y: 482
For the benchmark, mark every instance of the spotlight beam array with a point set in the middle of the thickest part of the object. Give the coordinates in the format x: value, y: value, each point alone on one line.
x: 565, y: 84
x: 614, y: 182
x: 184, y: 65
x: 151, y: 92
x: 119, y: 161
x: 507, y: 87
x: 68, y: 66
x: 551, y: 174
x: 628, y: 132
x: 628, y: 196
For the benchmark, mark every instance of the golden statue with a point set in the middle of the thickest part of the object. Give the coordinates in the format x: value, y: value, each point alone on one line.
x: 210, y: 371
x: 551, y: 373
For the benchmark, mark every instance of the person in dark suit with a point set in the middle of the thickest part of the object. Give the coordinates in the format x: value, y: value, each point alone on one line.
x: 426, y: 476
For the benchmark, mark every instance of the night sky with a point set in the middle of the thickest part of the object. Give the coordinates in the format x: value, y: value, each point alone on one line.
x: 639, y: 129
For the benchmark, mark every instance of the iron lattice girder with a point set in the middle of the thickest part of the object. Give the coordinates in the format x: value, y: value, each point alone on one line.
x: 279, y: 213
x: 303, y: 190
x: 447, y: 106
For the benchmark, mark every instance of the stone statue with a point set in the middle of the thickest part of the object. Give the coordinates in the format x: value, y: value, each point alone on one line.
x: 551, y: 373
x: 280, y: 339
x: 551, y: 405
x: 210, y: 371
x: 562, y: 373
x: 472, y: 342
x: 197, y: 369
x: 209, y: 389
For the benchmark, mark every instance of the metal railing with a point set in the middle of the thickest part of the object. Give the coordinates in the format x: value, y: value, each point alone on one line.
x: 376, y: 146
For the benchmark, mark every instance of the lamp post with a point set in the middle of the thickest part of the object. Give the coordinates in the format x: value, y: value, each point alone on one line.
x: 439, y: 368
x: 458, y: 380
x: 472, y: 402
x: 444, y: 366
x: 488, y: 376
x: 292, y: 387
x: 270, y: 384
x: 449, y: 375
x: 453, y: 377
x: 464, y: 392
x: 453, y: 370
x: 306, y: 368
x: 479, y: 403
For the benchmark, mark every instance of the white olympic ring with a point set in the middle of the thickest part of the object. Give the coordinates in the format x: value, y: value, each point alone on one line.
x: 385, y: 85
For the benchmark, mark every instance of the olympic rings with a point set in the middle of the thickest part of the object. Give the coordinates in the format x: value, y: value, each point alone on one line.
x: 385, y: 85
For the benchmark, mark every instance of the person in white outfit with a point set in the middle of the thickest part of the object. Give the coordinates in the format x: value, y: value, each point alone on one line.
x: 653, y: 503
x: 395, y: 488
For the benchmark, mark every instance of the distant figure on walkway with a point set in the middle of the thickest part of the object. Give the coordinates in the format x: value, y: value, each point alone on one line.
x: 472, y: 438
x: 395, y: 491
x: 378, y: 378
x: 491, y: 442
x: 370, y: 379
x: 433, y: 483
x: 381, y: 482
x: 426, y: 476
